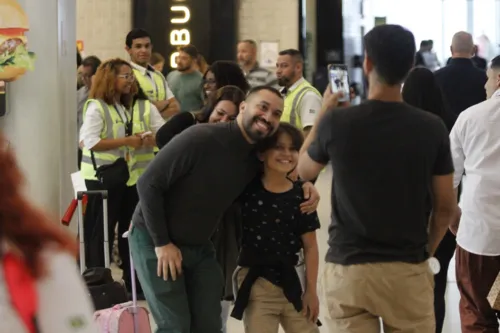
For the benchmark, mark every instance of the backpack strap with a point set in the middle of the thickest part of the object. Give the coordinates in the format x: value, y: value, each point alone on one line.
x: 22, y: 290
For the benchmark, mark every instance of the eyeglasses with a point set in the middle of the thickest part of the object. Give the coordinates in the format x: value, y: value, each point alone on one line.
x: 128, y: 77
x: 209, y: 81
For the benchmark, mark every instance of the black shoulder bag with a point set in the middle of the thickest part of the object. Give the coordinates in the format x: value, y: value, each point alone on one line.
x: 115, y: 174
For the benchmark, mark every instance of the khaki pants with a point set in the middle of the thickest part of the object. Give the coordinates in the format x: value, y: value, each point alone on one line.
x: 268, y: 308
x: 401, y: 294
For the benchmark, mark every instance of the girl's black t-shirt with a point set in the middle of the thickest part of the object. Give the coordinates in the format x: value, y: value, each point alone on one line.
x: 273, y: 223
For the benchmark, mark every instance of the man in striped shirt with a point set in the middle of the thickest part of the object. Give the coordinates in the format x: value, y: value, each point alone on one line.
x: 256, y: 75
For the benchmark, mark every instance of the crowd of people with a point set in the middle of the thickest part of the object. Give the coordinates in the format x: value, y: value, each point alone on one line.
x: 212, y: 172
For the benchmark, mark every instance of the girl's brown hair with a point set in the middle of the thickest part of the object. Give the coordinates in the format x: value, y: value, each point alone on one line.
x: 23, y: 226
x: 284, y: 128
x: 103, y: 84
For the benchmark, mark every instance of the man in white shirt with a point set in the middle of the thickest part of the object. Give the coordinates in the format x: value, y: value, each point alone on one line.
x: 475, y: 146
x: 152, y: 82
x: 302, y: 100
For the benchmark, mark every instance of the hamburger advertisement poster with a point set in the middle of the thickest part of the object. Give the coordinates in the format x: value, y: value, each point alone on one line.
x: 15, y: 58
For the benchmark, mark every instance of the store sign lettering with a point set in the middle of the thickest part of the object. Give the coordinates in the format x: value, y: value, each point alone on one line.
x: 179, y: 36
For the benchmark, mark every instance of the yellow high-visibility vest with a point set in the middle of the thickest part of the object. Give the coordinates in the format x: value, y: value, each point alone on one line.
x: 140, y: 158
x: 291, y: 112
x: 114, y: 128
x: 156, y: 91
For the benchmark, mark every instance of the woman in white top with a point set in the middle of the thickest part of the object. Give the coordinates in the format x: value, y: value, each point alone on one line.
x: 115, y: 126
x: 40, y: 287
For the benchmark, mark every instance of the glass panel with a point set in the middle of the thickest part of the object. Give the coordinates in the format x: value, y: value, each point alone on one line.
x: 454, y: 19
x: 422, y: 17
x: 485, y: 27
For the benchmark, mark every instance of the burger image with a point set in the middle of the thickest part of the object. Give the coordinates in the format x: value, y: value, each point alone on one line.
x: 15, y: 59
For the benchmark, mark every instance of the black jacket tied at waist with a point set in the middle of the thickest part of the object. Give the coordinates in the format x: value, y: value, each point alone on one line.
x: 257, y: 264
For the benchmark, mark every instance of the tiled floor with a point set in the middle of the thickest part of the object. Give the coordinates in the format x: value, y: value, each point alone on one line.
x: 452, y: 321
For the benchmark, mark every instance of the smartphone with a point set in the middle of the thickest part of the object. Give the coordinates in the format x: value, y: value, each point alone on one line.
x: 143, y: 135
x: 339, y: 80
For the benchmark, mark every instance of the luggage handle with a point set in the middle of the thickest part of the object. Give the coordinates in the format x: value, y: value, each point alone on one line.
x: 79, y: 197
x: 134, y: 286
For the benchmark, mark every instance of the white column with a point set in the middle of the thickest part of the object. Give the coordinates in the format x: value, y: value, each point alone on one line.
x: 470, y: 18
x: 41, y: 106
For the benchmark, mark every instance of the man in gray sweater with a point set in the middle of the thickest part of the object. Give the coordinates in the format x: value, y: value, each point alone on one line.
x: 183, y: 194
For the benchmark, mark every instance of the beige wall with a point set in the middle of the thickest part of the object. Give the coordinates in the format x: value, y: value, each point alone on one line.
x: 103, y: 25
x: 261, y: 20
x: 270, y: 20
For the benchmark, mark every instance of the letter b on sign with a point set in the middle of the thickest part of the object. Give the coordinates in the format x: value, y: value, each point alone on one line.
x: 180, y: 37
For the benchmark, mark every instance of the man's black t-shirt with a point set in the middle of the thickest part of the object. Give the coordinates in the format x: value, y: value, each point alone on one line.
x: 384, y: 155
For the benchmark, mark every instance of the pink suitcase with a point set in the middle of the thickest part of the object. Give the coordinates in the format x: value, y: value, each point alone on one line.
x: 125, y: 317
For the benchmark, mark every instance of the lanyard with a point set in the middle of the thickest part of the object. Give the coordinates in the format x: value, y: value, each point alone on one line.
x: 127, y: 122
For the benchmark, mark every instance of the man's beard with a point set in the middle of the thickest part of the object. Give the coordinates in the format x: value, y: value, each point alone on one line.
x: 253, y: 134
x: 283, y: 81
x: 182, y: 68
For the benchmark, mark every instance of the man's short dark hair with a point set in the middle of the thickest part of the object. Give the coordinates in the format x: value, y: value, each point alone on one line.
x: 391, y: 49
x: 135, y: 34
x: 92, y: 62
x: 495, y: 63
x: 424, y: 43
x: 191, y: 50
x: 295, y: 54
x: 250, y: 41
x: 257, y: 89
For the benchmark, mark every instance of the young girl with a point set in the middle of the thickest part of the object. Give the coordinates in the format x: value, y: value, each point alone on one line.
x: 274, y: 232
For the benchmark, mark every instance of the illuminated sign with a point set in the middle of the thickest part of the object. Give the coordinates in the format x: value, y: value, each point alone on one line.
x: 180, y: 35
x: 210, y: 25
x: 79, y: 45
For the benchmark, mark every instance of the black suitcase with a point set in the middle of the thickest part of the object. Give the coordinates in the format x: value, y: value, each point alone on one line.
x: 104, y: 291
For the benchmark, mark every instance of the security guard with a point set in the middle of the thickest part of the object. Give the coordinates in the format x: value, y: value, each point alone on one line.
x: 302, y: 100
x: 153, y: 83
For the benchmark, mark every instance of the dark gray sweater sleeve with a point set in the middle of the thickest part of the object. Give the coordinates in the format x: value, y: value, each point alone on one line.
x: 174, y: 161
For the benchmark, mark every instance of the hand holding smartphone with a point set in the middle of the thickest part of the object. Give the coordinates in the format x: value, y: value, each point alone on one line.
x: 146, y: 134
x: 339, y: 80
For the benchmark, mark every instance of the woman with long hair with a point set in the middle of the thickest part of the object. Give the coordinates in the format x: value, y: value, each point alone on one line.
x: 117, y: 136
x: 224, y: 73
x: 37, y: 262
x: 422, y: 91
x: 221, y: 107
